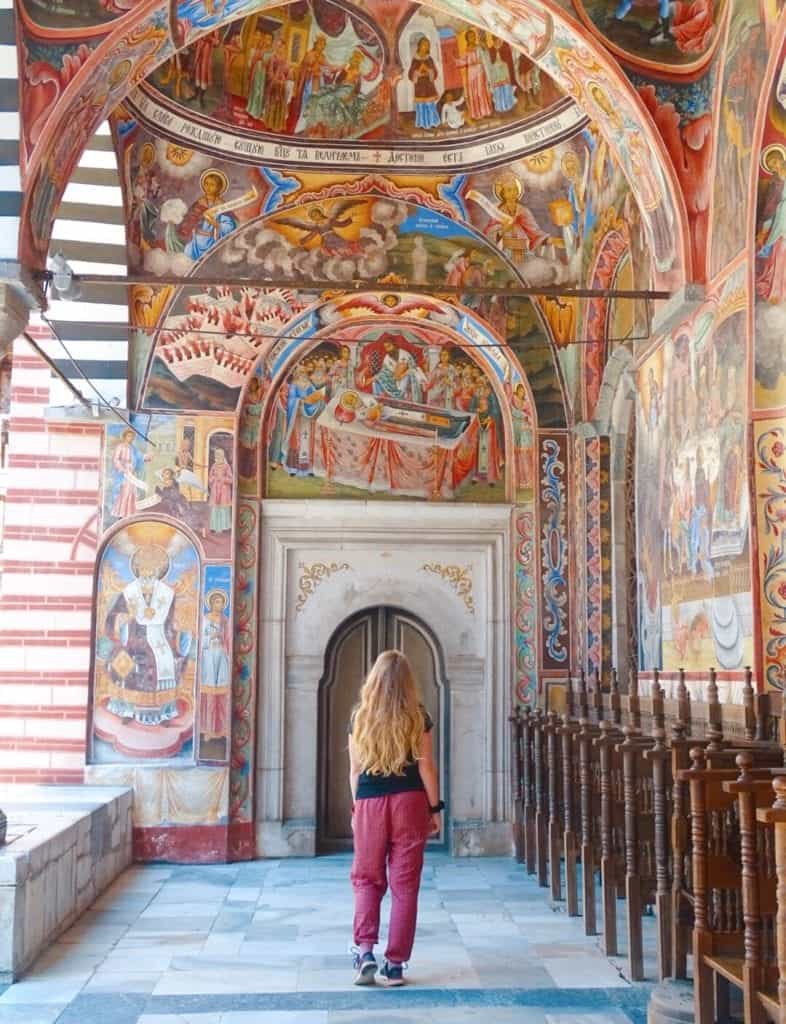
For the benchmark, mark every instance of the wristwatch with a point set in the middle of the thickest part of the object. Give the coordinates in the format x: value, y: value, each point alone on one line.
x: 439, y: 806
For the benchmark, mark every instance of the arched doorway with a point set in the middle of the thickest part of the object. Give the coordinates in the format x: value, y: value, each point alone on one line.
x: 350, y: 654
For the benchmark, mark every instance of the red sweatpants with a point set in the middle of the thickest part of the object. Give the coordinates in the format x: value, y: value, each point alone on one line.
x: 390, y: 837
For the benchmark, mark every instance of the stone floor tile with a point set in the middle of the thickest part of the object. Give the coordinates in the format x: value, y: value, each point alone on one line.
x: 181, y: 1018
x: 24, y: 1013
x: 583, y: 971
x: 227, y: 981
x: 122, y: 981
x: 606, y: 1017
x: 277, y: 1017
x: 41, y: 990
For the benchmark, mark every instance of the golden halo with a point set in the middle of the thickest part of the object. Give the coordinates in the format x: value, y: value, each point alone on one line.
x: 147, y: 154
x: 216, y: 173
x: 776, y: 147
x: 508, y: 179
x: 212, y: 593
x: 151, y: 557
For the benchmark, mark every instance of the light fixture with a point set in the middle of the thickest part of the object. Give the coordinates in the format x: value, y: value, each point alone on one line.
x: 63, y: 279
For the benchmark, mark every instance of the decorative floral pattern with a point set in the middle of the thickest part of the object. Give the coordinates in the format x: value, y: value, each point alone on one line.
x: 554, y: 553
x: 458, y: 576
x: 771, y: 494
x: 245, y: 662
x: 313, y: 574
x: 526, y: 665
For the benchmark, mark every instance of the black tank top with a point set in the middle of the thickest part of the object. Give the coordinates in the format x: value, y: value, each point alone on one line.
x: 386, y: 785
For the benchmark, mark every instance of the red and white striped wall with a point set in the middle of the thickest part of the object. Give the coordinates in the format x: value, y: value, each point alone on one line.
x: 48, y: 556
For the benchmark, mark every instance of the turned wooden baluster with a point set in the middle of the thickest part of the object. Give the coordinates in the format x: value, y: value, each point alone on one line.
x: 714, y: 711
x: 658, y: 706
x: 583, y: 703
x: 597, y: 697
x: 616, y: 701
x: 702, y: 936
x: 745, y: 788
x: 659, y: 757
x: 683, y: 700
x: 748, y: 705
x: 634, y: 705
x: 608, y: 738
x: 630, y: 751
x: 530, y: 855
x: 567, y: 734
x: 587, y: 828
x: 776, y: 816
x: 541, y: 815
x: 680, y: 830
x: 555, y: 842
x: 517, y: 772
x: 570, y: 707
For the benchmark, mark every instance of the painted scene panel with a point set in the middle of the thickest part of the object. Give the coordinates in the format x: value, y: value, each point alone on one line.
x: 144, y: 667
x: 389, y: 416
x: 215, y: 664
x: 770, y: 388
x: 185, y: 472
x: 693, y: 555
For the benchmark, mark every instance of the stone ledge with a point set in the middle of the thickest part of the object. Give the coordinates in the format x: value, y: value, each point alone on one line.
x: 66, y: 844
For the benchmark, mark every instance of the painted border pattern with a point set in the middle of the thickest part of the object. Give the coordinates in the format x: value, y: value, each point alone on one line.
x: 555, y: 634
x: 241, y: 805
x: 524, y: 603
x: 771, y: 506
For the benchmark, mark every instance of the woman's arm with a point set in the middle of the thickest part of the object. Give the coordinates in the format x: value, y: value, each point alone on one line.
x: 430, y: 777
x: 354, y: 768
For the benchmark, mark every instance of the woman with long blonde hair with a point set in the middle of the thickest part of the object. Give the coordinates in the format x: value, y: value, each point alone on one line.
x: 395, y: 808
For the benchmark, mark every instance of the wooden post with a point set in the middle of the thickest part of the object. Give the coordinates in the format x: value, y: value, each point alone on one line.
x: 517, y: 771
x: 540, y: 803
x: 587, y: 828
x: 630, y: 751
x: 530, y: 856
x: 714, y: 712
x: 683, y: 700
x: 633, y: 699
x: 747, y: 703
x: 555, y: 844
x: 703, y: 989
x: 583, y: 705
x: 608, y: 875
x: 567, y: 734
x: 659, y: 756
x: 616, y: 703
x: 658, y: 707
x: 679, y: 846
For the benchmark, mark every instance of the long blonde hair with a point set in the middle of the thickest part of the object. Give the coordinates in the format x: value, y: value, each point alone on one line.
x: 388, y: 723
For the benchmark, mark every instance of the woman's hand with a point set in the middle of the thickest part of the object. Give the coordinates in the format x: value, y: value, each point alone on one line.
x: 436, y: 823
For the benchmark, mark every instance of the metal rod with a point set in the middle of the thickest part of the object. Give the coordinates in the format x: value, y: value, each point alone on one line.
x: 546, y: 291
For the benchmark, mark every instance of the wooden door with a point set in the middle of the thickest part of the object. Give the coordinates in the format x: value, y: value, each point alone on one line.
x: 352, y: 652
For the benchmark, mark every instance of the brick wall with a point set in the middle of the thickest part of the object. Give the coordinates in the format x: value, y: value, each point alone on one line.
x: 48, y: 555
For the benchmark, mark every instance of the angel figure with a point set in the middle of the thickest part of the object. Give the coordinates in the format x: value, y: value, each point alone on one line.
x: 321, y: 230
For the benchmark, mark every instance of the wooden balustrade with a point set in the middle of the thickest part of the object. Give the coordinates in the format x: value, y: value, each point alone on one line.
x: 670, y: 800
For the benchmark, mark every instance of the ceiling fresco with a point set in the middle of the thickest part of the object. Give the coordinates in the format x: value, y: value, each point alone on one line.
x: 503, y: 82
x: 320, y: 70
x: 70, y: 15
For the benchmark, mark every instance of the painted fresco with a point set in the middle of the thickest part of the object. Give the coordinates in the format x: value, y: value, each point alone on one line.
x: 180, y: 202
x: 692, y: 494
x: 246, y: 660
x: 771, y: 514
x: 677, y: 35
x: 744, y: 68
x: 75, y: 15
x: 322, y: 70
x: 397, y: 413
x: 770, y: 380
x: 144, y: 668
x: 215, y: 664
x: 184, y: 472
x: 543, y: 212
x: 683, y: 116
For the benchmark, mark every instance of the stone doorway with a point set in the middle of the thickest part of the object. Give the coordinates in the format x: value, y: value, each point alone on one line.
x: 350, y: 654
x: 322, y: 564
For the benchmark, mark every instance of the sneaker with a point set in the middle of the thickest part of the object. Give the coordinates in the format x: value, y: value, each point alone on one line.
x: 393, y: 974
x: 366, y: 967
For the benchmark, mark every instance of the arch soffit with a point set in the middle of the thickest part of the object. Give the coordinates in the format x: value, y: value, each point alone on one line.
x: 552, y: 39
x: 617, y: 392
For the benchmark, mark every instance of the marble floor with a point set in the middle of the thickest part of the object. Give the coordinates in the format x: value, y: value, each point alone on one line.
x: 267, y: 942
